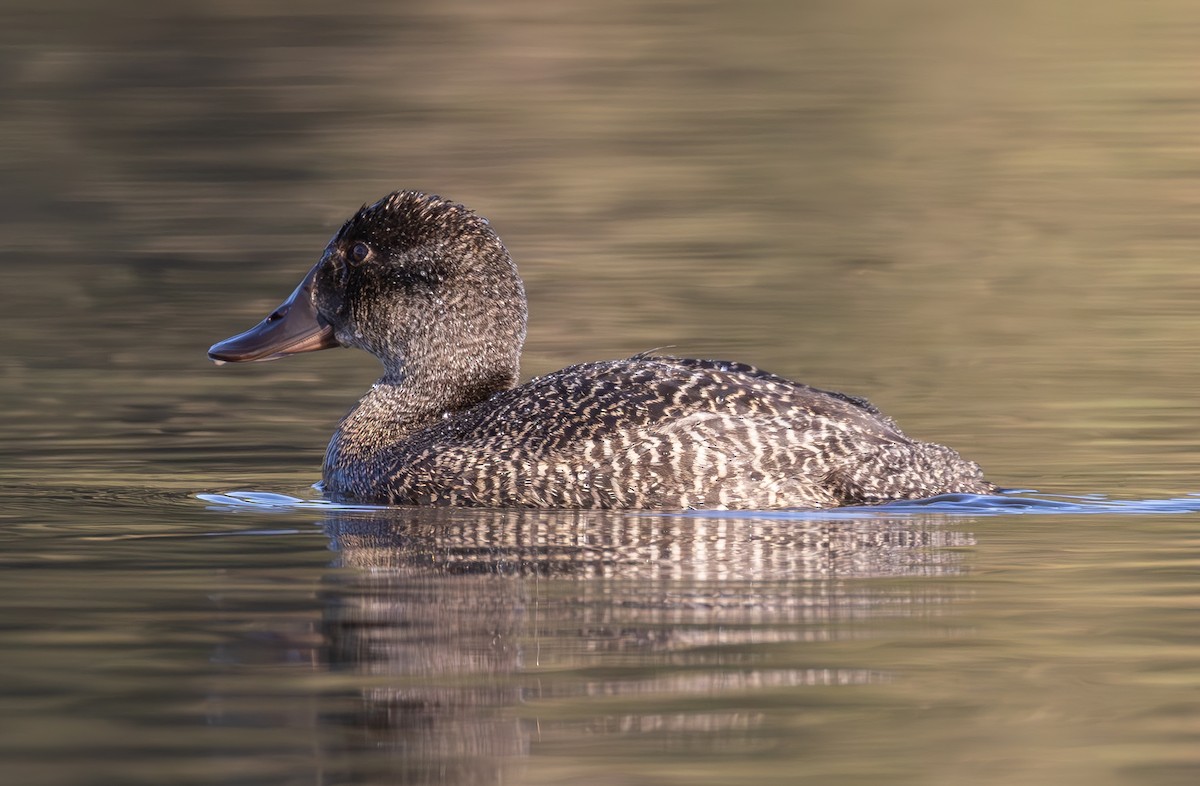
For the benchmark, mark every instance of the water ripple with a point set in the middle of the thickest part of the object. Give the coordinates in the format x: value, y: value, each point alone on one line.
x: 951, y: 505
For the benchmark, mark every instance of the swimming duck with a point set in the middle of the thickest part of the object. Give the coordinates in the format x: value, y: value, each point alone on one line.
x: 426, y: 286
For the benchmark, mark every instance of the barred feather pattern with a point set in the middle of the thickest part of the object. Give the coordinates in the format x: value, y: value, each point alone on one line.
x: 648, y: 432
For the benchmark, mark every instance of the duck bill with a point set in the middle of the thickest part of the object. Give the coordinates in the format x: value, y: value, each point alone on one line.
x: 292, y: 328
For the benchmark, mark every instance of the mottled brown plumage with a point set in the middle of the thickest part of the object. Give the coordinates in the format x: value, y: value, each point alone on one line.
x: 426, y: 286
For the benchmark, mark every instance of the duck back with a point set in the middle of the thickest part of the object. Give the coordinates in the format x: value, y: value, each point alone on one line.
x: 646, y: 432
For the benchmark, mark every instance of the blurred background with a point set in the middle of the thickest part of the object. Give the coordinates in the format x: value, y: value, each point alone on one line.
x: 981, y: 216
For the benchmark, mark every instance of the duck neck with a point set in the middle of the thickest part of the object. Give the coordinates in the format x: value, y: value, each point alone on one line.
x: 418, y: 395
x: 401, y: 404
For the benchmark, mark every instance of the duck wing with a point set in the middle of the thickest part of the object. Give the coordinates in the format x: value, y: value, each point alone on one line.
x: 653, y: 432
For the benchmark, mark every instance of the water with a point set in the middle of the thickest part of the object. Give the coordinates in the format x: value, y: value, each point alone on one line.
x: 982, y: 220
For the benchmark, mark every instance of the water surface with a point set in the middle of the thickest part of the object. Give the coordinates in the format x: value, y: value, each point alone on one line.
x: 984, y: 221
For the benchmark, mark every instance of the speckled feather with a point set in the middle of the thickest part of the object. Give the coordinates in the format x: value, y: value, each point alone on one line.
x: 658, y: 432
x: 426, y: 286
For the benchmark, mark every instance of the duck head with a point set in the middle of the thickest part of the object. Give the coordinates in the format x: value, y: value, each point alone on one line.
x: 420, y: 282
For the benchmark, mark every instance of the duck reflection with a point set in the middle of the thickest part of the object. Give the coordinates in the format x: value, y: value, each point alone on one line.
x: 591, y: 544
x: 482, y: 636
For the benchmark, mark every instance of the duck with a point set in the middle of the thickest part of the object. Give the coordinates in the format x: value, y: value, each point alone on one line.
x: 426, y: 286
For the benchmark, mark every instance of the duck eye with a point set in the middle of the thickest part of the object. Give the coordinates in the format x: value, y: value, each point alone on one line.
x: 359, y: 252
